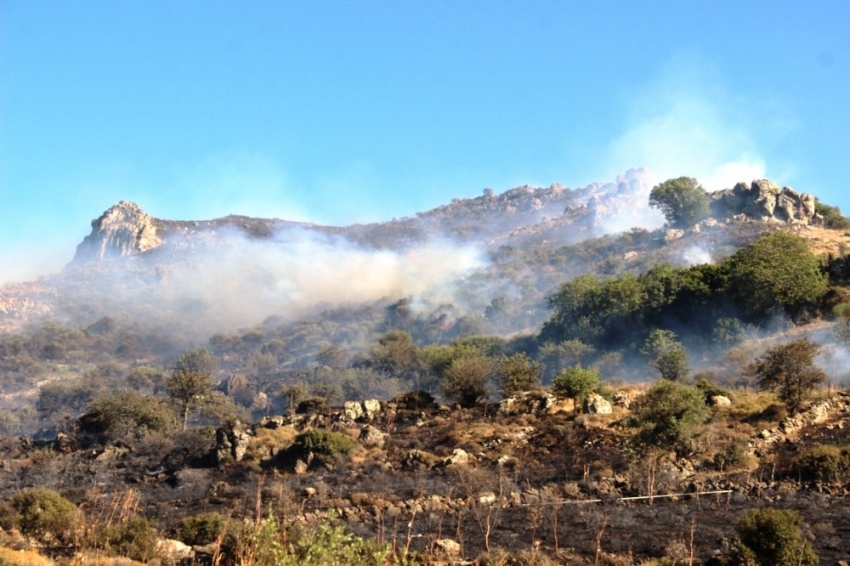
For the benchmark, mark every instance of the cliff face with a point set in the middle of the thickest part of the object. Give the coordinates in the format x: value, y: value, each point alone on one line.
x: 764, y: 200
x: 123, y: 230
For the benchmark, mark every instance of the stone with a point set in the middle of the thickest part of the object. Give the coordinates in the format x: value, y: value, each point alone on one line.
x: 352, y: 410
x: 765, y: 201
x: 673, y: 234
x: 597, y: 404
x: 459, y: 456
x: 231, y: 443
x: 720, y: 401
x: 372, y: 437
x: 622, y: 399
x: 528, y: 403
x: 175, y: 550
x: 371, y: 408
x: 487, y: 498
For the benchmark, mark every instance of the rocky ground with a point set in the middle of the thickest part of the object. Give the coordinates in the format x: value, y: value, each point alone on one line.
x: 528, y: 474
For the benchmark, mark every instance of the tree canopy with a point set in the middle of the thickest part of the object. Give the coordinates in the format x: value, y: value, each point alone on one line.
x: 790, y: 370
x: 683, y: 201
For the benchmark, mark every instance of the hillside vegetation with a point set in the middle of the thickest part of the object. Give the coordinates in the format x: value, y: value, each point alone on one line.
x: 669, y: 396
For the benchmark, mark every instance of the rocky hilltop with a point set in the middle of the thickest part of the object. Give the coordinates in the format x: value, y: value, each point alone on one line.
x: 124, y: 229
x: 765, y: 201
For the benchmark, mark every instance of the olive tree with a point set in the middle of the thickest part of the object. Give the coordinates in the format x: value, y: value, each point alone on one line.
x: 683, y: 201
x: 790, y: 370
x: 773, y: 537
x: 575, y: 383
x: 190, y: 385
x: 669, y: 413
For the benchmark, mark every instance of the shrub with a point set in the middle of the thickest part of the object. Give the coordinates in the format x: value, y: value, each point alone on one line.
x: 323, y: 442
x: 465, y: 380
x: 790, y: 370
x: 575, y: 383
x: 773, y: 537
x: 135, y: 538
x: 43, y: 514
x: 128, y: 411
x: 518, y: 373
x: 668, y: 413
x: 201, y: 529
x: 825, y: 463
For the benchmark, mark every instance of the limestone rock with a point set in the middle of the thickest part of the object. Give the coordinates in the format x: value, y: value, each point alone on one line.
x: 528, y: 403
x: 447, y: 546
x: 371, y: 436
x: 765, y: 201
x: 123, y: 230
x: 720, y: 401
x: 597, y: 404
x: 371, y: 408
x: 175, y: 550
x: 352, y: 410
x: 622, y: 399
x: 231, y: 443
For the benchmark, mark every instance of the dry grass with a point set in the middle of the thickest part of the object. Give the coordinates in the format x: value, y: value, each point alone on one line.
x: 23, y: 557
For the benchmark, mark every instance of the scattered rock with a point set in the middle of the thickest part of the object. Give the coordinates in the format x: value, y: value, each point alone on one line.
x: 528, y: 403
x: 352, y: 410
x: 596, y: 404
x: 231, y: 443
x: 622, y: 399
x: 372, y: 437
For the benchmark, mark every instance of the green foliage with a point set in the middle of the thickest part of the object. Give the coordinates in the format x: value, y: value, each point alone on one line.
x: 790, y: 370
x: 190, y: 385
x: 668, y: 413
x: 683, y: 201
x: 145, y: 379
x: 272, y: 543
x: 773, y: 537
x: 323, y: 442
x: 201, y: 529
x: 465, y: 380
x: 670, y: 357
x: 824, y: 463
x: 128, y: 411
x: 396, y: 354
x: 566, y: 353
x: 777, y: 273
x: 728, y: 331
x: 832, y: 216
x: 43, y: 514
x: 517, y: 373
x: 135, y: 538
x: 575, y: 383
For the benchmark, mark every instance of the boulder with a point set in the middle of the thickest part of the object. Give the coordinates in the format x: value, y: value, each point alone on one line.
x: 765, y: 201
x: 622, y: 399
x: 231, y: 443
x: 447, y: 546
x: 372, y: 437
x: 175, y: 550
x: 352, y: 410
x: 597, y: 404
x: 528, y: 403
x: 371, y: 408
x: 720, y: 401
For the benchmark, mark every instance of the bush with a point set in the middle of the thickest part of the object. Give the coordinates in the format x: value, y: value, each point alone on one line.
x: 465, y: 380
x: 201, y: 529
x: 128, y: 411
x: 518, y: 373
x: 43, y: 514
x: 135, y: 538
x: 683, y: 201
x: 824, y: 463
x: 668, y: 413
x: 575, y: 383
x: 773, y: 537
x: 790, y: 370
x: 323, y: 442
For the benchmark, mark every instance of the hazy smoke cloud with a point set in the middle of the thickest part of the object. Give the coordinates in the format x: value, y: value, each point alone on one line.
x: 235, y: 282
x: 686, y: 124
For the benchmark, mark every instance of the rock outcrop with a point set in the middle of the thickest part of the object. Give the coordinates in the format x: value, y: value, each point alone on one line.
x: 123, y: 230
x: 764, y: 200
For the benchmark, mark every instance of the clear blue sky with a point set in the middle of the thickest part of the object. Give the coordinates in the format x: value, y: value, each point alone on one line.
x: 352, y: 111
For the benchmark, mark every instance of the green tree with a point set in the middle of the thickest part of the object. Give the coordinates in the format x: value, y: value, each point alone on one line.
x: 683, y: 201
x: 190, y: 385
x: 790, y: 370
x: 669, y: 356
x: 518, y: 373
x: 575, y: 383
x: 465, y: 380
x: 669, y: 413
x: 773, y: 537
x: 777, y: 273
x: 118, y: 413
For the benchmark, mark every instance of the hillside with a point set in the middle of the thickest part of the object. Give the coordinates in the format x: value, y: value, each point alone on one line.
x: 523, y: 378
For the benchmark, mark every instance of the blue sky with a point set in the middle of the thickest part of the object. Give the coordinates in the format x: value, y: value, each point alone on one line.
x: 354, y: 111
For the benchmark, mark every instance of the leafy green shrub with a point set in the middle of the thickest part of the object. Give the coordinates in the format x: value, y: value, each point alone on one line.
x: 575, y: 383
x: 323, y: 442
x: 201, y: 529
x: 518, y: 373
x: 737, y: 456
x: 135, y: 538
x: 128, y: 411
x: 465, y: 380
x: 825, y: 463
x: 668, y: 413
x: 43, y: 514
x: 773, y: 537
